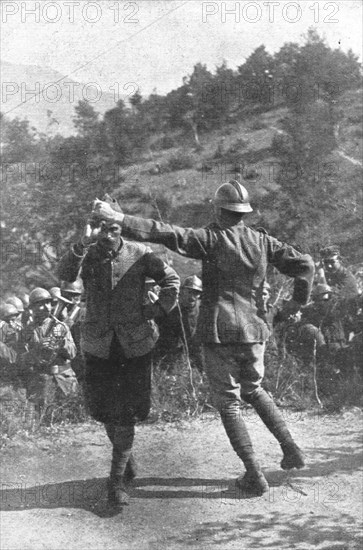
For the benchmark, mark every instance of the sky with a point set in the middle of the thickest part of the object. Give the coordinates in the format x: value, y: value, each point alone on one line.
x: 151, y: 45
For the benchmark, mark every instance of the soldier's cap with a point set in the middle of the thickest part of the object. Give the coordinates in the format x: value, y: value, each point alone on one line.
x: 15, y: 301
x: 193, y: 282
x: 55, y: 292
x: 72, y: 288
x: 39, y: 295
x: 329, y: 252
x: 7, y: 311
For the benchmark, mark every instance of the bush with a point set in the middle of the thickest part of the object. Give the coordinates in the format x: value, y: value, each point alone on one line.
x: 164, y: 142
x: 177, y: 392
x: 180, y: 161
x: 18, y: 414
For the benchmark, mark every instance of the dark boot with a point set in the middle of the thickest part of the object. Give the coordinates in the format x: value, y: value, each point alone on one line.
x: 131, y: 470
x: 253, y: 482
x: 273, y: 420
x: 293, y: 457
x: 131, y: 466
x: 123, y: 438
x: 116, y: 493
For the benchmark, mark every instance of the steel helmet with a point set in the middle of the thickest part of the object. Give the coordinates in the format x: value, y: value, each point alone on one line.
x: 8, y: 310
x: 15, y: 301
x: 55, y: 292
x: 72, y: 288
x: 25, y: 299
x: 39, y: 295
x: 193, y: 282
x: 233, y: 196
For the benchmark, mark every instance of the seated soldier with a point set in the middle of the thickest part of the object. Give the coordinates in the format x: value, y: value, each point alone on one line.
x: 46, y: 367
x: 16, y: 302
x: 9, y: 341
x: 73, y: 316
x: 342, y: 282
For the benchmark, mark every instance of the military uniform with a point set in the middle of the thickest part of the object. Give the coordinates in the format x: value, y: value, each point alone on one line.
x: 115, y: 325
x: 118, y: 335
x: 46, y: 367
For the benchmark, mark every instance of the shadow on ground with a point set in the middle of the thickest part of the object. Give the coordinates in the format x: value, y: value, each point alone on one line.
x: 91, y: 494
x: 277, y: 530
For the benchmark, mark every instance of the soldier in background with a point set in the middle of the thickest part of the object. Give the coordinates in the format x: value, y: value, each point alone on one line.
x: 55, y: 293
x: 10, y: 338
x: 73, y: 316
x: 45, y: 366
x: 180, y: 328
x: 338, y: 277
x: 343, y: 284
x: 17, y: 302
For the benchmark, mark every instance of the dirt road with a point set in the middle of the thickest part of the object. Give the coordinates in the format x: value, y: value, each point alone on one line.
x: 54, y: 490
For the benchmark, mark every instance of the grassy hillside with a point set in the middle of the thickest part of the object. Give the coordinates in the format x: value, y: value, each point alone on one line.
x: 243, y: 150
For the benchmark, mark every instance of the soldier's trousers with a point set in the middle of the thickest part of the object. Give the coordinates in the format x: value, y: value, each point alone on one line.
x: 235, y: 371
x: 118, y: 389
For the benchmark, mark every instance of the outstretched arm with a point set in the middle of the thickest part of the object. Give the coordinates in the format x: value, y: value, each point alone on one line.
x: 193, y: 243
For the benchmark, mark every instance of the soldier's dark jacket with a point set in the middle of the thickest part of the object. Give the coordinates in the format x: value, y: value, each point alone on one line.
x: 234, y: 261
x: 114, y: 287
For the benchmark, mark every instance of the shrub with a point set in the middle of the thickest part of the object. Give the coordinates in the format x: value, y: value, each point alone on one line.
x: 178, y: 392
x: 164, y: 142
x: 180, y: 161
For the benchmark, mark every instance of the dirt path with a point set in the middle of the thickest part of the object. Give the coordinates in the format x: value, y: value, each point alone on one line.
x: 53, y: 490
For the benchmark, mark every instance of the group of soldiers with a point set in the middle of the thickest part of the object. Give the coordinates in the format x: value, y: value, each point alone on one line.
x: 40, y: 337
x: 39, y: 334
x: 328, y: 330
x: 136, y: 308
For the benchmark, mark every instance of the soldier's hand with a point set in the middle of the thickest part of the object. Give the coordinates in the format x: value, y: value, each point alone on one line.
x: 102, y: 210
x: 152, y: 310
x: 90, y: 232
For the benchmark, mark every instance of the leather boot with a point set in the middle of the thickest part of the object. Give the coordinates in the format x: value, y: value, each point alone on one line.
x: 253, y: 482
x: 122, y: 446
x: 131, y: 466
x: 273, y: 420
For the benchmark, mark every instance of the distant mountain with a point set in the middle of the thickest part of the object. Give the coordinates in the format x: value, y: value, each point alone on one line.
x: 47, y: 98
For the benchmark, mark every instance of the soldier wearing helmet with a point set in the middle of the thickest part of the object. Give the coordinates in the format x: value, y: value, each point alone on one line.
x: 45, y: 367
x: 9, y: 339
x: 73, y: 314
x: 72, y: 291
x: 178, y: 329
x: 234, y: 263
x: 15, y: 301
